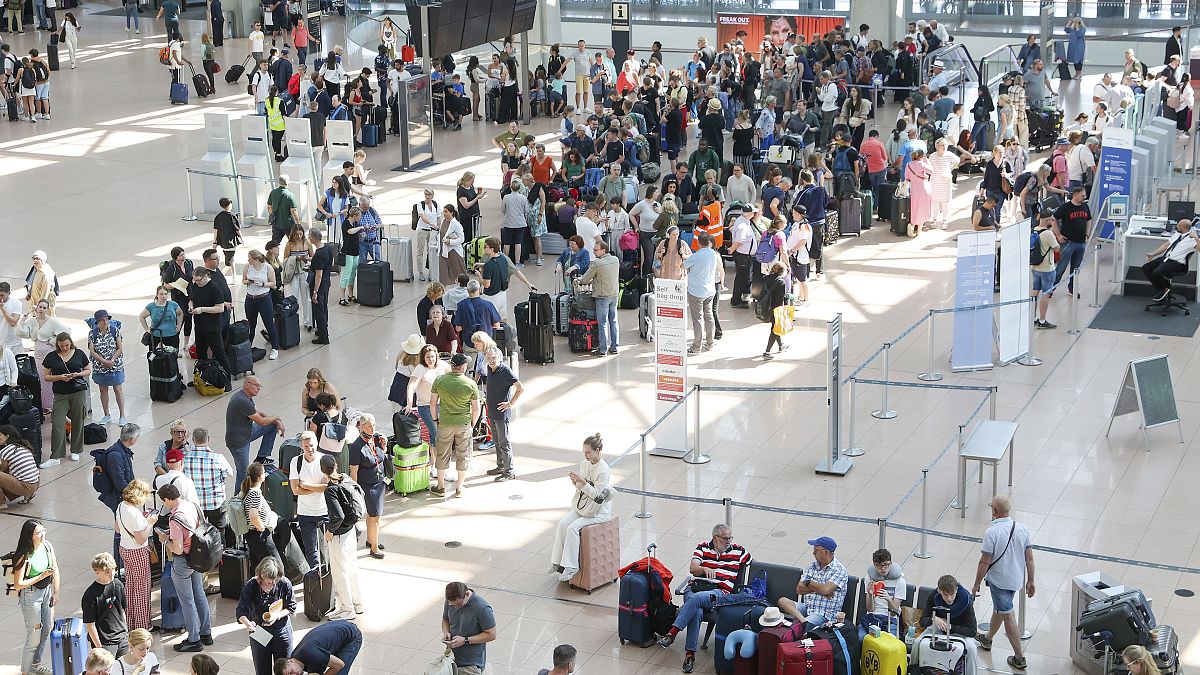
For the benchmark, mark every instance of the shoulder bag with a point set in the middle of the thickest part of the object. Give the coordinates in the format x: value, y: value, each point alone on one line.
x: 587, y: 506
x: 154, y: 326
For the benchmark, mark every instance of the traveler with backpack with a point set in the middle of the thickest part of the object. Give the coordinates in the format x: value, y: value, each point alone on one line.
x: 189, y: 584
x: 105, y: 347
x: 114, y: 467
x: 26, y: 87
x: 773, y: 294
x: 346, y: 506
x: 1042, y: 245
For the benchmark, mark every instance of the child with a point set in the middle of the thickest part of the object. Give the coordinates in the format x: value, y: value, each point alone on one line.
x: 104, y: 607
x: 537, y: 91
x: 616, y: 223
x: 456, y: 293
x: 885, y: 589
x: 558, y: 96
x: 566, y: 127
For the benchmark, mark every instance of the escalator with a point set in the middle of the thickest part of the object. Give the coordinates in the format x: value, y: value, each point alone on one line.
x: 961, y: 70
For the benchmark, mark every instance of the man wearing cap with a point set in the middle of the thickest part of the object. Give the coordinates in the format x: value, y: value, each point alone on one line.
x: 1043, y: 272
x: 822, y: 588
x: 940, y: 77
x: 454, y: 402
x: 174, y: 475
x: 745, y: 235
x: 715, y: 567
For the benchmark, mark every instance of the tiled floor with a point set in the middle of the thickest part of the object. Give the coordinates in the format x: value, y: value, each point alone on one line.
x: 106, y: 174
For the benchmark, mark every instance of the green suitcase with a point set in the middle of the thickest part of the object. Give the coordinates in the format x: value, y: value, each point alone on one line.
x: 412, y: 469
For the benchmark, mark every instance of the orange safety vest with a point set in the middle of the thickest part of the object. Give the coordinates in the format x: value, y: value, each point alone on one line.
x: 715, y: 228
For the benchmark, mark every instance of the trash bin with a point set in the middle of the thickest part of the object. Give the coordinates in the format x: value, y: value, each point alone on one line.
x: 1085, y: 589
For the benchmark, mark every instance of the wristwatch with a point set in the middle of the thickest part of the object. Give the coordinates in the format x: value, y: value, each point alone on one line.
x: 467, y: 640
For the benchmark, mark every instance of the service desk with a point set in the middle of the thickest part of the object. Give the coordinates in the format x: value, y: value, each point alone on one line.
x: 1140, y: 239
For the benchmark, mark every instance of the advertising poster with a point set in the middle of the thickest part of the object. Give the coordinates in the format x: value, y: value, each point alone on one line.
x: 973, y: 286
x: 774, y: 26
x: 1115, y: 170
x: 670, y: 364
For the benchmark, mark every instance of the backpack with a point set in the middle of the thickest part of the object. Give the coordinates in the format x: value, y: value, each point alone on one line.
x: 208, y: 544
x: 101, y: 481
x: 843, y: 92
x: 352, y: 501
x: 235, y: 515
x: 164, y: 56
x: 1036, y: 254
x: 767, y: 250
x: 27, y: 79
x: 1022, y: 182
x: 762, y: 304
x: 643, y: 148
x: 841, y: 160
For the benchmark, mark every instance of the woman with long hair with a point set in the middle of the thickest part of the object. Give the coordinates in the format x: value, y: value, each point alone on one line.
x: 135, y: 525
x: 477, y: 75
x: 35, y: 580
x: 856, y: 111
x: 69, y: 33
x: 334, y: 205
x: 507, y: 110
x: 1183, y: 108
x: 982, y: 112
x: 451, y: 247
x: 467, y: 209
x: 258, y: 278
x: 342, y: 540
x: 333, y: 74
x: 139, y: 660
x: 670, y: 254
x: 420, y: 387
x: 1139, y: 661
x: 297, y: 252
x: 260, y: 542
x: 387, y: 36
x: 774, y: 292
x: 68, y: 370
x: 314, y: 384
x: 208, y: 60
x: 918, y: 172
x: 179, y: 268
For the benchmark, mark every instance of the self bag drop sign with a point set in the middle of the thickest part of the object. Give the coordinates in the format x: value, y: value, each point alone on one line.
x: 1115, y: 170
x: 973, y: 287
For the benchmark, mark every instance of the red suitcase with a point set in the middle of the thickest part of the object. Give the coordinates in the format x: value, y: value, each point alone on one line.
x: 804, y: 658
x: 768, y: 642
x: 743, y: 666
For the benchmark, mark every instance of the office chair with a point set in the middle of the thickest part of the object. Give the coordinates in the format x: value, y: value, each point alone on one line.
x: 1172, y: 301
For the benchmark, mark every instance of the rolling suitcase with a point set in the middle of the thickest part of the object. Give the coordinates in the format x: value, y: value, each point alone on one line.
x: 398, y: 251
x: 179, y: 93
x: 539, y: 347
x: 843, y: 641
x: 30, y: 425
x: 1123, y: 623
x: 850, y: 215
x: 370, y: 135
x: 11, y: 104
x: 898, y: 213
x: 646, y: 308
x: 583, y: 335
x: 287, y: 323
x: 200, y: 82
x: 27, y: 377
x: 633, y: 617
x: 411, y: 465
x: 884, y: 654
x: 375, y: 283
x: 887, y: 193
x: 1165, y: 651
x: 562, y: 313
x: 166, y: 384
x: 521, y: 316
x: 234, y: 571
x: 767, y: 649
x: 171, y: 609
x: 68, y: 646
x: 942, y: 653
x: 806, y: 657
x: 318, y: 584
x: 241, y: 359
x: 868, y: 209
x: 52, y: 52
x: 235, y: 72
x: 729, y: 619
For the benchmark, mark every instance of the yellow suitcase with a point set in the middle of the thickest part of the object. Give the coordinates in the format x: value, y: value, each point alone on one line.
x: 883, y: 654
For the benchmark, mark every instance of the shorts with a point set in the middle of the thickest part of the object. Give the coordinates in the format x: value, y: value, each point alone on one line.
x: 374, y: 499
x: 42, y: 91
x: 512, y: 236
x: 456, y: 441
x: 1043, y: 281
x: 1002, y: 600
x: 581, y: 83
x: 800, y: 271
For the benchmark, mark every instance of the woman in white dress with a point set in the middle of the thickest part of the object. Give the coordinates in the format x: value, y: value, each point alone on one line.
x: 453, y: 255
x: 592, y: 503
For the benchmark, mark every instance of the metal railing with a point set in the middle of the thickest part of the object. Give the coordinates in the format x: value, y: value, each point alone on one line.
x: 994, y: 65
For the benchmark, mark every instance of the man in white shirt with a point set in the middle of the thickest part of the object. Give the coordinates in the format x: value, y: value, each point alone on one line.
x: 255, y: 40
x: 1117, y: 93
x: 174, y: 476
x: 587, y: 227
x: 940, y: 31
x: 11, y: 310
x: 1006, y: 561
x: 745, y: 241
x: 582, y: 62
x: 798, y: 242
x: 176, y: 60
x: 1170, y: 259
x: 1100, y: 91
x: 940, y: 78
x: 262, y: 81
x: 829, y: 108
x: 308, y: 484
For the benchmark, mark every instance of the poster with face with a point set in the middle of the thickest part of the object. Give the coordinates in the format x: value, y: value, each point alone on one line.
x: 773, y: 27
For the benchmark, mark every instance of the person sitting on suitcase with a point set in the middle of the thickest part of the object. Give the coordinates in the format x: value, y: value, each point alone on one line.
x: 950, y: 608
x: 328, y: 648
x: 268, y: 601
x: 822, y: 588
x: 716, y: 565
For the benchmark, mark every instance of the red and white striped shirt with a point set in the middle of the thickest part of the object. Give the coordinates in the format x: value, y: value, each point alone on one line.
x: 727, y: 564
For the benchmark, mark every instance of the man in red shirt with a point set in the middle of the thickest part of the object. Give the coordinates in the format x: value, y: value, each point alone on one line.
x: 716, y: 566
x: 875, y: 154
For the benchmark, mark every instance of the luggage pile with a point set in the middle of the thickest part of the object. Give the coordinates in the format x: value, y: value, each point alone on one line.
x: 535, y: 328
x: 410, y: 454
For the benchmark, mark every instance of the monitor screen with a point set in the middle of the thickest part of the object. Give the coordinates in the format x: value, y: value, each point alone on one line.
x: 1179, y: 210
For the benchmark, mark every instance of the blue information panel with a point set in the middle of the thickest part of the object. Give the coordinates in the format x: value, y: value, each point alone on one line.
x: 1115, y: 171
x: 974, y: 285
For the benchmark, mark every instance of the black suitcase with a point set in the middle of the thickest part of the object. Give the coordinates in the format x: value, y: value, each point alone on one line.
x: 506, y: 339
x: 898, y: 214
x: 655, y: 148
x: 166, y: 383
x: 843, y: 638
x: 27, y: 376
x: 521, y: 316
x: 200, y: 82
x: 539, y: 345
x: 241, y: 359
x: 11, y: 104
x: 30, y: 426
x: 318, y: 583
x: 633, y: 620
x: 287, y: 322
x: 52, y: 52
x: 234, y: 571
x: 375, y: 283
x: 850, y: 216
x: 887, y: 192
x: 235, y: 72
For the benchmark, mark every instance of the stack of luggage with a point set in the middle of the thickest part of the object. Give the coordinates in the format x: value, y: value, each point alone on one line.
x: 410, y: 455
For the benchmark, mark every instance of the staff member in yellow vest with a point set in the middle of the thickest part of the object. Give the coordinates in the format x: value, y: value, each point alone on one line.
x: 275, y: 122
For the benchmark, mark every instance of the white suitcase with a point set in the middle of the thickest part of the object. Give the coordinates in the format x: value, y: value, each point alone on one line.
x: 646, y: 307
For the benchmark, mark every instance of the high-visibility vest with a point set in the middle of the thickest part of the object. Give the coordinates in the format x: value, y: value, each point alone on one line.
x: 275, y: 114
x: 715, y: 228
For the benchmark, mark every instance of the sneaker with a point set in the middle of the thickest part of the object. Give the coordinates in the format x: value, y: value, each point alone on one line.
x: 540, y: 261
x: 520, y: 266
x: 50, y: 463
x: 358, y: 609
x: 984, y: 642
x: 689, y: 663
x: 138, y: 31
x: 507, y: 475
x: 612, y: 350
x: 32, y: 120
x: 189, y: 647
x: 273, y: 355
x: 107, y: 419
x: 437, y: 491
x: 568, y: 573
x: 74, y: 456
x: 666, y: 641
x: 46, y: 116
x: 334, y: 610
x: 206, y: 640
x: 495, y: 472
x: 599, y: 352
x: 694, y: 349
x: 1018, y: 662
x: 121, y: 421
x: 41, y: 669
x: 343, y: 616
x: 767, y: 356
x: 1044, y: 325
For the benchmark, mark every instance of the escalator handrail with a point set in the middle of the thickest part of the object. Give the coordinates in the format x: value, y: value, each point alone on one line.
x: 943, y: 53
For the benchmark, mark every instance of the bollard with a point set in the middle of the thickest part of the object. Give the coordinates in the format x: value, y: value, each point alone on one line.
x: 1096, y: 278
x: 1074, y: 329
x: 1029, y: 359
x: 853, y: 450
x: 884, y: 413
x: 882, y: 532
x: 645, y: 512
x: 923, y: 552
x: 187, y: 176
x: 694, y: 457
x: 930, y: 375
x: 992, y: 403
x: 728, y: 502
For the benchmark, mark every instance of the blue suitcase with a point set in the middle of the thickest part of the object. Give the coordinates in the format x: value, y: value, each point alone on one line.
x: 179, y: 93
x: 68, y: 646
x: 168, y: 600
x: 729, y: 619
x: 370, y: 135
x: 633, y: 610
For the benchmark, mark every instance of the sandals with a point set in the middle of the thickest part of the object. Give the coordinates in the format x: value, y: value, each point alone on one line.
x: 344, y: 303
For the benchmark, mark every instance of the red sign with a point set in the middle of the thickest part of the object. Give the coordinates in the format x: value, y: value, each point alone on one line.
x: 775, y: 26
x: 670, y: 312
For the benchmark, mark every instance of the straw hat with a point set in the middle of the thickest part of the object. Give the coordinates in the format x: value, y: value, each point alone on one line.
x: 771, y: 616
x: 413, y: 344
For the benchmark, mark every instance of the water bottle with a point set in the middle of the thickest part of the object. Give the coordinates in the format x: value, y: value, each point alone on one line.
x: 874, y: 631
x: 910, y: 638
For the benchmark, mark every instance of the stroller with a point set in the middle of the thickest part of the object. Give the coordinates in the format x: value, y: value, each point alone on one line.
x: 1045, y: 125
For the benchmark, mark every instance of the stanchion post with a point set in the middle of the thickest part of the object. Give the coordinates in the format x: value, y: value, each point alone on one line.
x: 960, y: 489
x: 728, y: 502
x: 923, y: 552
x: 992, y: 403
x: 1096, y: 277
x: 1025, y: 635
x: 930, y: 375
x: 852, y: 449
x: 1029, y: 359
x: 885, y: 413
x: 1074, y: 329
x: 187, y: 176
x: 645, y: 512
x: 695, y: 457
x: 882, y: 532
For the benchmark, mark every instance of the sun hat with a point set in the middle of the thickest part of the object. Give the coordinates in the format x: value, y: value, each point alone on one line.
x: 413, y: 344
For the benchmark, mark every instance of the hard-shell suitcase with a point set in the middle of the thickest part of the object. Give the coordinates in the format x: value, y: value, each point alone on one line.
x: 370, y: 135
x: 412, y: 474
x: 646, y: 309
x: 633, y: 610
x: 850, y: 210
x: 200, y: 82
x: 1123, y: 623
x: 562, y: 313
x: 887, y: 192
x: 769, y: 639
x: 318, y: 584
x: 843, y: 640
x: 729, y: 619
x: 235, y: 72
x: 52, y: 52
x: 179, y: 93
x: 806, y: 657
x: 943, y: 653
x: 11, y: 104
x: 1136, y: 598
x: 539, y: 345
x: 375, y: 283
x: 898, y: 214
x: 68, y: 646
x: 233, y: 572
x: 1165, y: 651
x: 166, y: 383
x: 241, y: 359
x: 398, y: 251
x: 868, y: 208
x: 584, y: 335
x: 884, y: 654
x: 170, y: 608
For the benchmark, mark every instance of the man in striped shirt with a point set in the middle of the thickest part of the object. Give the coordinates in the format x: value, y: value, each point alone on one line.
x: 716, y: 565
x: 19, y: 476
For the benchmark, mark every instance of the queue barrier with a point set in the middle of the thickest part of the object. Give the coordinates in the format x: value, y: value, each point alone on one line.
x: 237, y: 182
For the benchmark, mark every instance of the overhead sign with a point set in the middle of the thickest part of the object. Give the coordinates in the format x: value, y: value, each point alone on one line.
x: 670, y: 366
x: 974, y: 284
x: 1114, y: 174
x: 620, y: 16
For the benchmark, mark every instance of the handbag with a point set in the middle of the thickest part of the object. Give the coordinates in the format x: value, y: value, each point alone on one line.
x: 148, y: 334
x: 443, y: 665
x: 903, y: 189
x: 587, y: 506
x: 216, y: 67
x: 785, y: 320
x: 76, y: 384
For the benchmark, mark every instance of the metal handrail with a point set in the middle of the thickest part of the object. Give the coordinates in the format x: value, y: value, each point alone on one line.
x: 994, y: 57
x: 958, y: 56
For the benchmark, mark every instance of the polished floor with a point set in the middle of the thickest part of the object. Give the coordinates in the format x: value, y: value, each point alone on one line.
x: 101, y: 188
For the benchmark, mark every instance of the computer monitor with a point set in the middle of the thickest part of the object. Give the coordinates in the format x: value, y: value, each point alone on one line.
x: 1177, y: 211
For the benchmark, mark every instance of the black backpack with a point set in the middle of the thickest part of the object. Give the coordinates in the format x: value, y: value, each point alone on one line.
x: 208, y: 544
x: 27, y: 78
x: 662, y: 614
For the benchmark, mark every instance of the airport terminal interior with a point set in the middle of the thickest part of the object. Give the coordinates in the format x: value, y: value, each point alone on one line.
x: 102, y: 187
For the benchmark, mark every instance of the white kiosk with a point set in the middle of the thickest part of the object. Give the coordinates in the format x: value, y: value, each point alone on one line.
x: 339, y: 137
x: 218, y: 159
x: 255, y: 169
x: 300, y: 166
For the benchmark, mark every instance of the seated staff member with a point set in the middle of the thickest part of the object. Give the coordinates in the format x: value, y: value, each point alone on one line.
x: 1170, y: 259
x: 268, y: 601
x: 328, y: 648
x: 950, y: 604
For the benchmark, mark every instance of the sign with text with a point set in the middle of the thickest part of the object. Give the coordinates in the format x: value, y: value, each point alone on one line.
x: 974, y: 284
x: 670, y: 366
x: 773, y: 27
x: 1114, y: 173
x: 1013, y: 321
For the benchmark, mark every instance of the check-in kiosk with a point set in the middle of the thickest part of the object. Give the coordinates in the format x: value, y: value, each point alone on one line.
x: 299, y: 166
x: 217, y: 161
x: 339, y: 136
x: 255, y: 168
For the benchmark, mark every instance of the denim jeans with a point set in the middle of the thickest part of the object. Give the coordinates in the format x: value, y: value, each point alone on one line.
x: 427, y: 417
x: 39, y: 11
x: 131, y: 12
x: 311, y: 527
x: 262, y: 305
x: 875, y: 179
x: 189, y: 586
x: 279, y: 647
x: 39, y: 620
x: 1072, y: 254
x: 689, y: 616
x: 606, y: 316
x: 241, y: 455
x: 368, y: 250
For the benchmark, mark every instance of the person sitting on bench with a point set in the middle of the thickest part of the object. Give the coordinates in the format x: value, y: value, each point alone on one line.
x: 1171, y: 259
x: 950, y: 604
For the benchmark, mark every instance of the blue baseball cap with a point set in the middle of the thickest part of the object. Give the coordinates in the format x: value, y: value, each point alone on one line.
x: 826, y: 543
